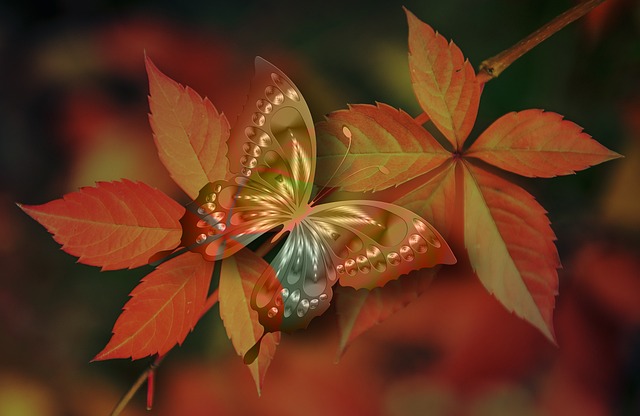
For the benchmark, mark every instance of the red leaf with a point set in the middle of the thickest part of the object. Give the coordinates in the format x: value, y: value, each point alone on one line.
x: 189, y: 133
x: 162, y: 310
x: 443, y: 81
x: 510, y: 246
x: 387, y: 148
x: 238, y: 277
x: 114, y: 225
x: 538, y: 144
x: 360, y: 310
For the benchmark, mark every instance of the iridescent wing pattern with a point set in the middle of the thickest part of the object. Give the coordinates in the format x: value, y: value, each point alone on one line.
x: 297, y: 286
x: 363, y: 244
x: 272, y: 151
x: 372, y: 242
x: 272, y: 158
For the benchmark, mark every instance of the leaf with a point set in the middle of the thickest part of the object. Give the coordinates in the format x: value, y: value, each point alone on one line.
x: 387, y: 148
x: 114, y: 225
x: 434, y: 199
x: 162, y: 310
x: 238, y: 276
x: 510, y: 246
x: 535, y: 143
x: 443, y: 81
x: 188, y: 131
x: 360, y: 310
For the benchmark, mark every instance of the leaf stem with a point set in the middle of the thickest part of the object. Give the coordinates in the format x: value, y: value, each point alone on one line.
x: 492, y: 68
x: 136, y: 386
x: 150, y: 370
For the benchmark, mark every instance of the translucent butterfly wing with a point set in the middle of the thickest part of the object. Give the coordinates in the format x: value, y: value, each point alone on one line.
x: 273, y: 143
x: 297, y: 286
x: 272, y: 160
x: 372, y: 242
x: 364, y: 244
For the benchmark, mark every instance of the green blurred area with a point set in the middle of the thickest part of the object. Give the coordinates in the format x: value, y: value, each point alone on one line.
x: 73, y: 110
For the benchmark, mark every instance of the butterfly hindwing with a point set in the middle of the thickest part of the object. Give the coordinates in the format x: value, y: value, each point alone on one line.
x: 364, y: 244
x: 297, y: 286
x: 372, y: 242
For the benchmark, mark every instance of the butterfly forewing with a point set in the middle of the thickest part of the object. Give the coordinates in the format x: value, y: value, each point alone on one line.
x: 271, y: 159
x: 371, y: 242
x: 273, y: 141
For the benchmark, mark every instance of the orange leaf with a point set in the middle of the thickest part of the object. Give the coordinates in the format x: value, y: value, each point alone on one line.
x: 535, y: 143
x: 238, y: 276
x: 189, y: 133
x: 387, y: 148
x: 510, y: 246
x: 443, y: 81
x: 434, y: 199
x: 114, y: 225
x: 360, y: 310
x: 162, y: 310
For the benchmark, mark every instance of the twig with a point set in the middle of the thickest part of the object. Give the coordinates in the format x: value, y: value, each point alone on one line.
x: 211, y: 301
x: 493, y: 67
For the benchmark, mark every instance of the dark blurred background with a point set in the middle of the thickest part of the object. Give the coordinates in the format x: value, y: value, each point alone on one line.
x: 73, y: 111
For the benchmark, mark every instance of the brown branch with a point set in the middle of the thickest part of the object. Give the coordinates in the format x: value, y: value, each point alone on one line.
x: 493, y: 67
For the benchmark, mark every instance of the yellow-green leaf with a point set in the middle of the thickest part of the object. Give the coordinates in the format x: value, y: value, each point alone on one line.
x: 238, y: 276
x: 511, y: 246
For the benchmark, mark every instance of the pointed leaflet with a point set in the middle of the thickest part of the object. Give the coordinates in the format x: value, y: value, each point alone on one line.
x: 114, y: 225
x: 360, y: 310
x: 510, y: 246
x: 443, y: 81
x: 238, y: 276
x: 162, y: 310
x: 434, y: 199
x: 538, y: 144
x: 188, y: 131
x: 387, y: 148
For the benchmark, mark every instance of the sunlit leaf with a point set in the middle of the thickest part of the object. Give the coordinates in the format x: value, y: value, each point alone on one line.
x: 443, y: 81
x: 162, y: 310
x: 537, y: 143
x: 238, y: 277
x: 114, y: 225
x: 189, y: 133
x: 511, y: 246
x: 387, y: 148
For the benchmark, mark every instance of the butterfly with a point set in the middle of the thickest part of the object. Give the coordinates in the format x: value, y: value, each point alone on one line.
x: 272, y: 162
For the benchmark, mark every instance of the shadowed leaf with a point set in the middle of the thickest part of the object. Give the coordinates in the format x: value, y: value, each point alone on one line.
x: 434, y: 199
x: 360, y: 310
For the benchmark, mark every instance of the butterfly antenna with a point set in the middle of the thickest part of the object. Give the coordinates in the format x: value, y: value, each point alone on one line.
x: 251, y: 355
x: 381, y: 169
x: 347, y: 133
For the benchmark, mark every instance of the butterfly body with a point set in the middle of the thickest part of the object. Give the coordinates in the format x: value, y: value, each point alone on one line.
x: 272, y: 152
